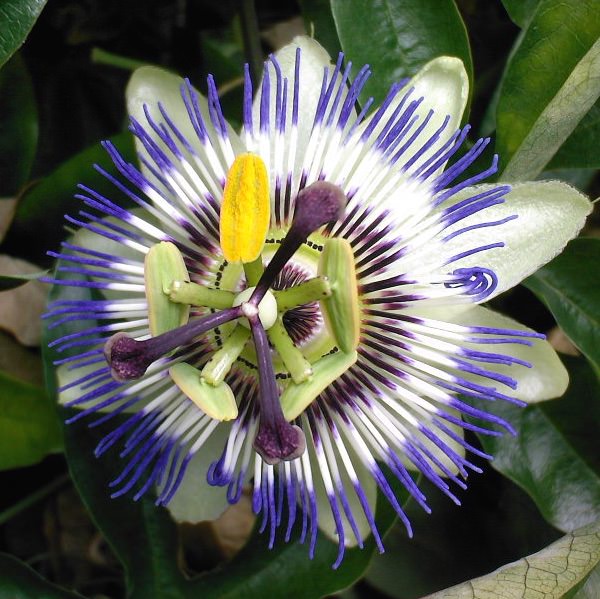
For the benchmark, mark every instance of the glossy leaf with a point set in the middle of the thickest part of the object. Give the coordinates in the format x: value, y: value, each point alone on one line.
x: 40, y: 213
x: 550, y: 83
x: 29, y: 428
x: 520, y: 11
x: 19, y: 126
x: 550, y: 573
x: 17, y: 17
x: 581, y: 148
x: 19, y: 581
x: 554, y: 456
x: 568, y: 287
x: 318, y: 20
x: 409, y: 34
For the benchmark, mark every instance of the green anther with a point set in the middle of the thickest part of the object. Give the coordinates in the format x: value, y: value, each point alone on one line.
x: 341, y: 309
x: 216, y: 369
x: 313, y: 290
x: 296, y: 364
x: 253, y: 271
x: 218, y: 401
x: 296, y: 398
x: 184, y: 292
x: 163, y: 264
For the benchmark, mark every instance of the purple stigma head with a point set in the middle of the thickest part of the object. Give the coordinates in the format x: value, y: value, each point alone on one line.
x: 127, y: 358
x: 317, y: 205
x: 279, y: 441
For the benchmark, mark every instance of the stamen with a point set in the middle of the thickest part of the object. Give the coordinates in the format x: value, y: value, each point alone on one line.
x: 184, y: 292
x: 129, y: 359
x: 296, y: 364
x: 245, y: 210
x: 316, y: 205
x: 217, y: 368
x: 307, y: 292
x: 276, y: 439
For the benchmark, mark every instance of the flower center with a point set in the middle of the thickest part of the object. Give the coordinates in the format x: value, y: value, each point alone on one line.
x: 256, y: 308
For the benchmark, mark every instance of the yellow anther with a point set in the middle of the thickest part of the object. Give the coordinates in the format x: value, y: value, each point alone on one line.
x: 245, y: 211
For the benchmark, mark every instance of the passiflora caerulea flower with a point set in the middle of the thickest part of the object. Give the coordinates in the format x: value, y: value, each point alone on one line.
x: 293, y: 306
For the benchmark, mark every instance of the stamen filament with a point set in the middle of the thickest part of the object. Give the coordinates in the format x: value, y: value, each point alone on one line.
x: 253, y: 271
x: 296, y: 364
x: 184, y: 292
x: 217, y: 368
x: 307, y: 292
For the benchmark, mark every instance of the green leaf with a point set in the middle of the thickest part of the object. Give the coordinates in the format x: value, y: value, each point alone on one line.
x: 319, y: 23
x: 17, y: 18
x: 29, y: 428
x: 550, y: 573
x: 19, y: 126
x: 11, y: 281
x: 554, y: 456
x: 520, y: 11
x: 550, y: 83
x: 19, y: 581
x: 569, y: 288
x: 581, y: 148
x: 402, y: 36
x: 40, y: 213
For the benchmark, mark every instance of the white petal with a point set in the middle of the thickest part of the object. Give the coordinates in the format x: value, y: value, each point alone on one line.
x: 99, y: 243
x: 313, y: 60
x: 550, y: 213
x: 150, y: 85
x: 196, y: 500
x: 66, y: 376
x: 547, y: 379
x: 444, y: 86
